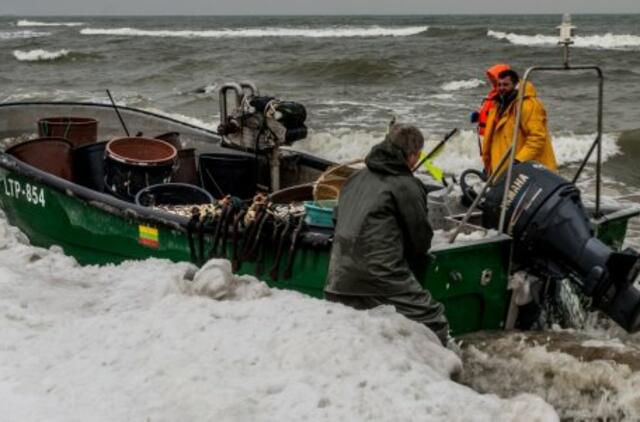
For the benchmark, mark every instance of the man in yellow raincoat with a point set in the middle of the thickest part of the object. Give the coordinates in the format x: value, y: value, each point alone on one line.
x: 534, y: 141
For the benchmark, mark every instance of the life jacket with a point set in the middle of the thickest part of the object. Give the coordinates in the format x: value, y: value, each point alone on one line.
x: 488, y: 102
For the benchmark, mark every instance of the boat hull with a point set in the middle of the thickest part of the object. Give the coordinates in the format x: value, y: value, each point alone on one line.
x: 470, y: 279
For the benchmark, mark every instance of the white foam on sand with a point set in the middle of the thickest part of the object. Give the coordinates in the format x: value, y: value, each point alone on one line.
x: 139, y: 341
x: 328, y: 32
x: 39, y: 55
x: 24, y: 22
x: 585, y: 379
x: 461, y: 85
x: 604, y: 41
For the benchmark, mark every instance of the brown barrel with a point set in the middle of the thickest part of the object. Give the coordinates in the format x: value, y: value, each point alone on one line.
x: 132, y: 164
x: 52, y: 155
x: 78, y: 130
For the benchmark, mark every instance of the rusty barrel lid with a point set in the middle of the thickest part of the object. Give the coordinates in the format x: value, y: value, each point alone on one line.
x: 141, y: 151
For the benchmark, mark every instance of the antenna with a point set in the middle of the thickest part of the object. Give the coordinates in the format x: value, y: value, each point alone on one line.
x: 566, y: 36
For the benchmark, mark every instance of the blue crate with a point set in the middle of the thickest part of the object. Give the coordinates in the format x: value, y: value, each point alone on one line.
x: 320, y: 213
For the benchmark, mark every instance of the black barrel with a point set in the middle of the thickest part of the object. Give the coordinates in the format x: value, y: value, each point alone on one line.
x: 173, y: 194
x: 187, y: 171
x: 132, y: 164
x: 228, y: 174
x: 88, y: 165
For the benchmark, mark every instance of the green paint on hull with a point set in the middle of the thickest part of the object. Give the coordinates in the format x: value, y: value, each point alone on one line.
x: 470, y: 279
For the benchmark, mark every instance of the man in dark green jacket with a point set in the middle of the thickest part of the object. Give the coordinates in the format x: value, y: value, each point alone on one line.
x: 381, y: 226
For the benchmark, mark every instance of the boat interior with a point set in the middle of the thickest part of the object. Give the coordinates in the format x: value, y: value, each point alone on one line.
x: 203, y: 158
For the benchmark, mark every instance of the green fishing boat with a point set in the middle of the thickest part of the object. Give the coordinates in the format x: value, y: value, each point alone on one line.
x: 469, y: 277
x: 72, y: 189
x: 98, y: 228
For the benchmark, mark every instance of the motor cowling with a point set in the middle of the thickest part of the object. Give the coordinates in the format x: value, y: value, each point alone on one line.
x: 263, y: 122
x: 554, y: 237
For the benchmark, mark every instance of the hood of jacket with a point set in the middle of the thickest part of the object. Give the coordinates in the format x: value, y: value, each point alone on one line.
x: 387, y: 158
x: 494, y: 71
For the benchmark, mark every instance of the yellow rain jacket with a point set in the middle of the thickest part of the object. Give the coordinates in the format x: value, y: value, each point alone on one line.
x: 534, y: 141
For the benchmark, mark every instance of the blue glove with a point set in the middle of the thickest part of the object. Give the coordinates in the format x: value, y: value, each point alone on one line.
x: 475, y: 117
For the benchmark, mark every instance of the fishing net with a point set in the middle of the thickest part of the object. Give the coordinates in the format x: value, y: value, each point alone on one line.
x: 327, y: 186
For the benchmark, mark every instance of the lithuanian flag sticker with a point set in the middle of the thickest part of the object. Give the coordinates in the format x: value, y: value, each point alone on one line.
x: 148, y: 236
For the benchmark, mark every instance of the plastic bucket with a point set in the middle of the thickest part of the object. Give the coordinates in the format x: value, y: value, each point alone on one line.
x: 88, y: 165
x: 173, y: 194
x: 132, y: 164
x: 77, y: 130
x: 187, y: 171
x: 320, y: 213
x: 52, y: 155
x: 232, y: 174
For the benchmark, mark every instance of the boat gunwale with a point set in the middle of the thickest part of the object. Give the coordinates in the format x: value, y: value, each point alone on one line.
x: 100, y: 200
x: 108, y: 106
x: 498, y: 237
x: 113, y: 205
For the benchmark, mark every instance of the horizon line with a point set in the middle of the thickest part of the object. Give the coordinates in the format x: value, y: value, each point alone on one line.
x: 321, y: 15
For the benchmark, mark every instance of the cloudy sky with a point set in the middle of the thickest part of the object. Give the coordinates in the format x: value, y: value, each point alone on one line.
x: 277, y: 7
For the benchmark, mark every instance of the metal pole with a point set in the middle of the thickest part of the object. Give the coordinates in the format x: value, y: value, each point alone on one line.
x: 566, y: 54
x: 599, y: 141
x: 476, y: 201
x: 514, y: 143
x: 115, y: 107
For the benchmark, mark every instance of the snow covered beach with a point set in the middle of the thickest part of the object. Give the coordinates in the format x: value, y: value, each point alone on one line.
x: 153, y: 340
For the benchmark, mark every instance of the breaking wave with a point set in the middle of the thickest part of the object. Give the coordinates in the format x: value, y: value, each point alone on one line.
x: 460, y: 85
x: 25, y: 22
x: 14, y: 35
x: 460, y: 153
x: 329, y: 32
x: 40, y: 55
x: 606, y: 41
x: 585, y: 376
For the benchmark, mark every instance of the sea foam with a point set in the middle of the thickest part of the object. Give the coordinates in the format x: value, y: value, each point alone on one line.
x: 460, y: 153
x: 143, y: 340
x: 606, y: 41
x: 39, y: 55
x: 14, y: 35
x: 328, y: 32
x: 24, y: 22
x: 460, y: 85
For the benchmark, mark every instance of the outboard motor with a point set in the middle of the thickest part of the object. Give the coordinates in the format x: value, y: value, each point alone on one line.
x: 260, y: 123
x: 554, y: 238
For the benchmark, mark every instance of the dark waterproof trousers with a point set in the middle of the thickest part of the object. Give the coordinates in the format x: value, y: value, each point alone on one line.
x: 419, y: 307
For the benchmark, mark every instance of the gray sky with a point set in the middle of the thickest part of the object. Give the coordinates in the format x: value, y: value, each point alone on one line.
x: 321, y: 7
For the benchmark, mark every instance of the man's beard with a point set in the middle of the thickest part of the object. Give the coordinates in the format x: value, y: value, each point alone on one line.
x: 506, y: 100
